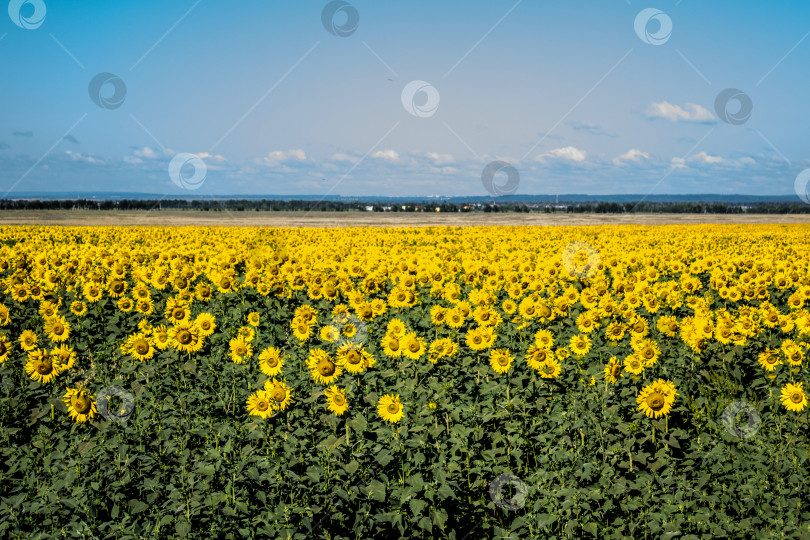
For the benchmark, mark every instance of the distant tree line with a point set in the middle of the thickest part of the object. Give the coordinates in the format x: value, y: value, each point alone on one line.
x: 244, y: 205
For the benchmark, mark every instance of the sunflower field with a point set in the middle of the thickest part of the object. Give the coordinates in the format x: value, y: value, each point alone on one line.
x: 436, y: 382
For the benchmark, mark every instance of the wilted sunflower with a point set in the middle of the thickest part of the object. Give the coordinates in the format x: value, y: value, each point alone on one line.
x: 793, y: 397
x: 390, y: 409
x: 258, y: 404
x: 41, y: 366
x: 279, y: 393
x: 613, y: 370
x: 336, y: 400
x: 81, y: 406
x: 270, y: 361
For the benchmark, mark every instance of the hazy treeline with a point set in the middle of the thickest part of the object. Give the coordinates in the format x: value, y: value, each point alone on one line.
x: 242, y: 205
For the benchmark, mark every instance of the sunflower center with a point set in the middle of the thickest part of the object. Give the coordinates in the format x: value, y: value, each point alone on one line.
x: 648, y: 353
x: 178, y: 313
x: 2, y: 348
x: 141, y: 347
x: 58, y: 329
x: 184, y: 337
x: 796, y: 397
x: 393, y: 408
x: 476, y: 340
x: 530, y: 310
x: 262, y: 405
x: 81, y: 404
x: 353, y: 357
x: 205, y: 325
x: 655, y: 401
x: 278, y: 394
x: 338, y: 399
x: 548, y: 370
x: 393, y: 344
x: 272, y: 362
x: 503, y: 361
x: 225, y: 283
x: 413, y: 346
x: 615, y: 370
x: 326, y: 368
x: 45, y: 367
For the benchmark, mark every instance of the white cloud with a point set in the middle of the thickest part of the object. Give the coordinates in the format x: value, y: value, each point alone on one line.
x: 211, y: 157
x: 703, y: 157
x: 632, y: 155
x: 76, y: 156
x: 569, y: 153
x: 440, y: 159
x: 388, y: 155
x: 144, y: 152
x: 345, y: 158
x: 276, y: 157
x: 691, y: 112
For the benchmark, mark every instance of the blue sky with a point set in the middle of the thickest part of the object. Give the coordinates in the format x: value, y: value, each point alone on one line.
x: 270, y: 102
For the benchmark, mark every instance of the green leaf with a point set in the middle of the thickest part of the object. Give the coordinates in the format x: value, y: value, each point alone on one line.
x: 376, y: 490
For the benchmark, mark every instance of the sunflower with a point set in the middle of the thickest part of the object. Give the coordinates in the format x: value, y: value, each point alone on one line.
x: 550, y: 369
x: 206, y: 323
x: 57, y: 328
x: 145, y: 307
x: 47, y: 310
x: 633, y: 364
x: 353, y: 358
x: 391, y: 346
x: 270, y: 361
x: 279, y: 393
x: 78, y: 308
x: 441, y: 348
x: 139, y: 346
x: 475, y: 339
x: 656, y: 399
x: 185, y: 338
x: 413, y: 346
x: 160, y: 337
x: 258, y: 404
x: 322, y: 368
x: 5, y: 348
x: 793, y: 352
x: 614, y: 332
x: 613, y: 370
x: 41, y: 366
x: 336, y: 400
x: 241, y: 350
x: 28, y: 340
x: 65, y: 356
x: 580, y: 345
x: 81, y: 406
x: 253, y: 318
x: 793, y: 397
x: 455, y: 318
x: 536, y: 356
x: 500, y: 360
x: 302, y: 330
x: 769, y: 359
x: 390, y: 409
x: 544, y: 338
